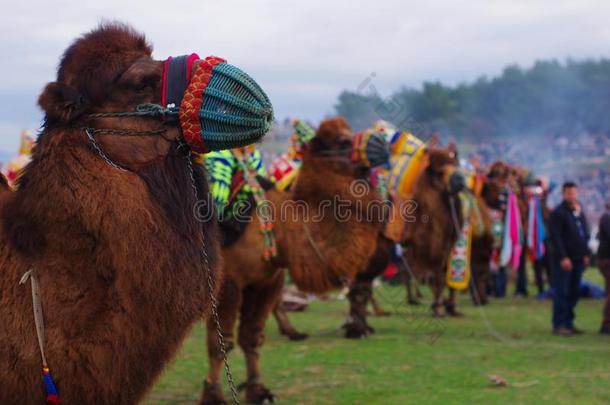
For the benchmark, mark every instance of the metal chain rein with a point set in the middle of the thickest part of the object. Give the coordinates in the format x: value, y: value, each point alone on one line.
x: 213, y: 302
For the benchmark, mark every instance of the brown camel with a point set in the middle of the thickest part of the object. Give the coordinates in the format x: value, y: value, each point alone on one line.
x: 501, y: 177
x: 482, y: 248
x: 433, y: 232
x: 428, y: 210
x: 492, y: 198
x: 319, y: 238
x: 116, y: 252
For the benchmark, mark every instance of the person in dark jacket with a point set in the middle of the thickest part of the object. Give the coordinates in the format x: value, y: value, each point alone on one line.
x: 569, y: 235
x: 603, y: 261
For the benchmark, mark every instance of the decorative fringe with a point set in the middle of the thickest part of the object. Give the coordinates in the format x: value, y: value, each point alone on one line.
x: 266, y: 228
x: 513, y: 234
x: 458, y: 265
x: 536, y: 232
x: 52, y: 395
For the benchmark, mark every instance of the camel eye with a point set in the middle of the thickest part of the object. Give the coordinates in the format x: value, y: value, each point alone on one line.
x: 345, y: 143
x: 146, y: 83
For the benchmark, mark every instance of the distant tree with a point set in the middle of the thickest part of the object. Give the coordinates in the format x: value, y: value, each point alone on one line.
x: 550, y: 97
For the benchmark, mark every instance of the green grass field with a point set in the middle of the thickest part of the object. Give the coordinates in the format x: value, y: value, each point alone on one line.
x: 415, y: 359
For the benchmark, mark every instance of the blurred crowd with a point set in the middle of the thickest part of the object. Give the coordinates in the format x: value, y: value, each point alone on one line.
x: 582, y: 158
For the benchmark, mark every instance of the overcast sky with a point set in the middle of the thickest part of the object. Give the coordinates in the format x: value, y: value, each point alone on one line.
x: 303, y: 53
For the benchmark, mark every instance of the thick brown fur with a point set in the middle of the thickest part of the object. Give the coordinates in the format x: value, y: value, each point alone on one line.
x: 345, y: 244
x: 117, y: 253
x: 361, y: 290
x: 320, y: 250
x: 428, y: 210
x: 432, y: 233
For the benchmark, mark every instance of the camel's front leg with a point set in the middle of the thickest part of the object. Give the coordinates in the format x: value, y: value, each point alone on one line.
x: 413, y: 293
x: 438, y: 286
x: 478, y: 286
x: 258, y: 301
x: 378, y: 309
x: 450, y: 304
x: 229, y: 300
x: 359, y: 295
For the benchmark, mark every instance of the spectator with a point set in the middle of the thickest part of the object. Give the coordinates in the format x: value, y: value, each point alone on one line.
x: 603, y: 261
x: 569, y: 234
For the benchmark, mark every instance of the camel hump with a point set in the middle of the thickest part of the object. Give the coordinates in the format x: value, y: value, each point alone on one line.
x: 333, y: 126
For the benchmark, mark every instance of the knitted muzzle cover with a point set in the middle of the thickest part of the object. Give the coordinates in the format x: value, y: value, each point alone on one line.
x: 220, y: 106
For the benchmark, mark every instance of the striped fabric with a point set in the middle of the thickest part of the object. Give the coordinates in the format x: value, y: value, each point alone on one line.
x: 221, y: 167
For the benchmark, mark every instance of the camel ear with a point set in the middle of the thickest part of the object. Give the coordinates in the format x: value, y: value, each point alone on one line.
x: 61, y: 103
x: 426, y: 158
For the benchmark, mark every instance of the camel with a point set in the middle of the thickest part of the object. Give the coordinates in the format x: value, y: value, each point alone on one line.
x: 482, y: 248
x: 437, y: 219
x: 502, y: 176
x: 493, y: 202
x: 320, y: 241
x: 428, y: 211
x: 117, y: 252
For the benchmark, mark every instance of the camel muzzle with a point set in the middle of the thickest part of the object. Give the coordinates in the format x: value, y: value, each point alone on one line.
x: 217, y: 105
x: 370, y: 149
x: 457, y: 182
x: 221, y: 107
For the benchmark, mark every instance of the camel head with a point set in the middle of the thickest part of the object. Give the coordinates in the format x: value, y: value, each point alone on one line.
x: 106, y: 70
x: 521, y: 177
x: 336, y: 146
x: 442, y: 169
x: 132, y: 108
x: 495, y: 184
x: 498, y: 174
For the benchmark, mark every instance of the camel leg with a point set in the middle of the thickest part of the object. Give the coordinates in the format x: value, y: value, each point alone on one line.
x: 359, y: 295
x: 377, y: 308
x: 450, y: 305
x: 438, y: 285
x: 229, y: 301
x: 284, y: 325
x: 258, y: 302
x: 418, y: 292
x: 474, y: 287
x: 482, y: 283
x: 478, y: 285
x: 413, y: 293
x: 481, y: 286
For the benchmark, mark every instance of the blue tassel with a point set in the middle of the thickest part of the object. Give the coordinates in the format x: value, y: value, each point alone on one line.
x: 52, y: 396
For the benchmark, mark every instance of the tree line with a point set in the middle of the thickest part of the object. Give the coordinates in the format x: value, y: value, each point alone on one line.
x: 551, y: 97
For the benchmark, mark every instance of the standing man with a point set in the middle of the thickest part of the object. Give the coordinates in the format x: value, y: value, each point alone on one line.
x: 569, y: 234
x: 603, y: 261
